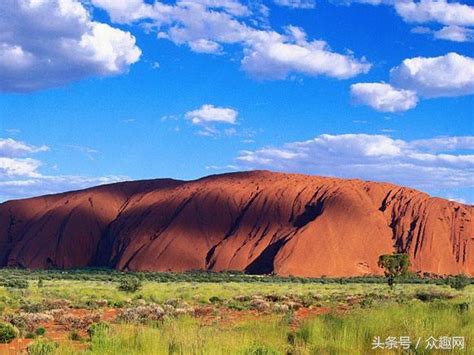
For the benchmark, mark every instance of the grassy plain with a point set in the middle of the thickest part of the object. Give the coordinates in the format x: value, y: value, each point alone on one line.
x: 222, y: 316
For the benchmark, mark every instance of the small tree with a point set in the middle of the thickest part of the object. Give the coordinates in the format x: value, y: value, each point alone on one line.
x: 130, y: 284
x: 394, y: 265
x: 7, y: 333
x: 458, y: 282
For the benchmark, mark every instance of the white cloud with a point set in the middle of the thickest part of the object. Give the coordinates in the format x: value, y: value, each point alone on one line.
x: 206, y: 26
x: 13, y: 148
x: 124, y: 11
x: 273, y: 56
x: 383, y: 97
x: 20, y: 175
x: 48, y: 43
x: 448, y: 75
x: 297, y: 4
x: 455, y: 34
x: 25, y: 167
x: 440, y: 11
x: 421, y: 164
x: 205, y: 46
x: 445, y: 143
x: 207, y: 114
x: 444, y: 76
x: 450, y: 33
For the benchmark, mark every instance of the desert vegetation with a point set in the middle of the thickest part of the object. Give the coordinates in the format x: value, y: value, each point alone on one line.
x: 98, y: 311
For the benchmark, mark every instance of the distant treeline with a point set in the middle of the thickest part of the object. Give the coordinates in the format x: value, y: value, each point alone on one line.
x: 104, y: 274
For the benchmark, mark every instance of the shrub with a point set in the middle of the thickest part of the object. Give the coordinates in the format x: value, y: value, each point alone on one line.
x: 463, y: 307
x: 96, y: 328
x: 42, y: 347
x: 15, y: 283
x: 236, y: 306
x: 40, y: 331
x: 30, y: 307
x: 130, y: 284
x: 458, y: 282
x: 141, y: 314
x: 29, y: 321
x: 428, y: 296
x: 7, y: 333
x: 117, y: 303
x: 260, y: 350
x: 75, y: 336
x: 215, y: 299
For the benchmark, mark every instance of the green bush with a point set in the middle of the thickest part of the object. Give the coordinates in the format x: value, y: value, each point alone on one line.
x: 260, y: 350
x: 458, y: 282
x: 463, y: 307
x: 40, y: 331
x: 428, y: 296
x: 98, y: 328
x: 215, y: 299
x: 7, y: 333
x: 15, y: 283
x: 130, y: 284
x: 42, y: 347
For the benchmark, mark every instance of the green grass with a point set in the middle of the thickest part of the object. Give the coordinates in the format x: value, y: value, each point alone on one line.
x: 82, y: 294
x: 355, y: 331
x: 413, y: 309
x: 333, y: 333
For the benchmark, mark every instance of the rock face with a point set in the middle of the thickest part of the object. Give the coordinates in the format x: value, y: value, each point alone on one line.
x: 259, y: 221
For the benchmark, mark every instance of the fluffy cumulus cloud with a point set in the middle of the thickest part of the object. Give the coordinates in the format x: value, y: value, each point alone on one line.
x: 448, y: 75
x: 273, y: 56
x: 430, y: 164
x: 383, y: 97
x: 209, y: 117
x: 67, y: 45
x: 20, y: 174
x: 210, y: 114
x: 457, y: 18
x: 208, y: 26
x: 444, y: 76
x: 440, y: 11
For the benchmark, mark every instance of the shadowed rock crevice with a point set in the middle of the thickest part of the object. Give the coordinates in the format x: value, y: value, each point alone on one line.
x: 264, y: 263
x: 311, y: 212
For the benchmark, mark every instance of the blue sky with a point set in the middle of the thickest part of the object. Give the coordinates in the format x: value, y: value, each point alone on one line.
x: 108, y: 90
